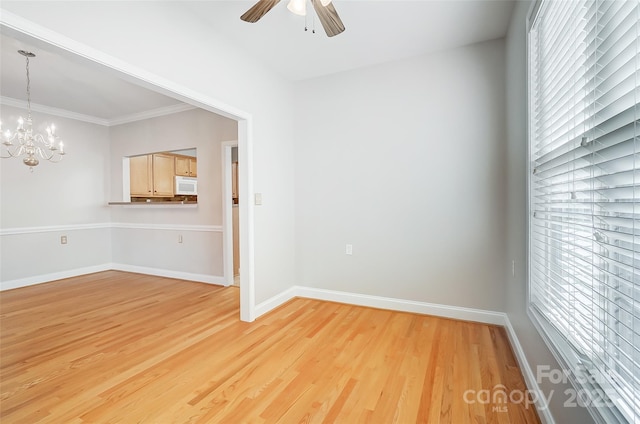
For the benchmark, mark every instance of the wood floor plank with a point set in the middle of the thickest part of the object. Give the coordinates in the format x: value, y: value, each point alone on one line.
x: 116, y: 347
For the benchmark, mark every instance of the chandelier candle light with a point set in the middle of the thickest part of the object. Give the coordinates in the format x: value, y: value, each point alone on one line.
x: 28, y: 145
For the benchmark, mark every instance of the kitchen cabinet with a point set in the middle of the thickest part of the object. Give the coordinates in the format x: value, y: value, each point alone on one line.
x: 152, y: 175
x: 186, y: 166
x: 140, y: 175
x: 163, y: 175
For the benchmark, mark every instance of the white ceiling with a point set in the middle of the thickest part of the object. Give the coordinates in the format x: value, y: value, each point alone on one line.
x: 63, y: 83
x: 376, y: 32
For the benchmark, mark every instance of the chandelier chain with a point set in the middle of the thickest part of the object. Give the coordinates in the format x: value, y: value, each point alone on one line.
x: 28, y: 87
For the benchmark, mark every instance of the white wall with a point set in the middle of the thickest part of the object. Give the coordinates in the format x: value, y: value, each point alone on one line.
x: 201, y: 249
x: 68, y: 198
x: 405, y: 161
x: 534, y: 347
x: 168, y: 41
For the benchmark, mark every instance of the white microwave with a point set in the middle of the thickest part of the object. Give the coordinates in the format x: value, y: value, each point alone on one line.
x: 186, y: 186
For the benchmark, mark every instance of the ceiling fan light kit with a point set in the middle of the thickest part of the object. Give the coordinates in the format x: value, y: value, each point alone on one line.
x: 325, y: 10
x: 298, y: 7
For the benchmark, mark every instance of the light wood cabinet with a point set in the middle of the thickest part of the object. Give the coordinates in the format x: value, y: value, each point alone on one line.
x: 152, y: 175
x: 186, y: 166
x: 163, y: 175
x: 141, y: 175
x: 234, y: 182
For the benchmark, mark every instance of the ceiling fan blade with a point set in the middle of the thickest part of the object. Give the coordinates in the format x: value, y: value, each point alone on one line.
x: 328, y: 18
x: 258, y: 10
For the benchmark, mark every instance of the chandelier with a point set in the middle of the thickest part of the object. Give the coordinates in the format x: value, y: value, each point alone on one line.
x: 26, y: 144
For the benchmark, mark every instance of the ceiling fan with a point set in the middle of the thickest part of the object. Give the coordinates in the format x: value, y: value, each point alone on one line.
x: 324, y: 9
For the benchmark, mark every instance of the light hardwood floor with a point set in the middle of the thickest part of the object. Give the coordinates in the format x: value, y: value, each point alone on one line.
x: 118, y: 347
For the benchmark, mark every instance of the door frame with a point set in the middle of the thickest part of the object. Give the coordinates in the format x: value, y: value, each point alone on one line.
x: 227, y: 212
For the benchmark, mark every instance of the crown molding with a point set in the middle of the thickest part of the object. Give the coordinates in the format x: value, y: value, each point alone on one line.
x: 153, y: 113
x: 9, y: 101
x: 125, y: 119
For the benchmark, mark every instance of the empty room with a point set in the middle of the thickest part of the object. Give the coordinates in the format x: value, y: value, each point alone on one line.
x: 331, y: 211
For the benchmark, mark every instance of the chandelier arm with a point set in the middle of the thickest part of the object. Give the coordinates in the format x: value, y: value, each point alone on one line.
x: 42, y: 153
x: 56, y: 158
x: 17, y: 152
x: 39, y: 138
x: 50, y: 152
x: 52, y: 156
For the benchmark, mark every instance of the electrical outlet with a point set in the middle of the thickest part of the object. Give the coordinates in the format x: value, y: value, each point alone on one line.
x: 63, y: 239
x: 348, y: 249
x: 180, y: 238
x: 513, y: 268
x: 257, y: 198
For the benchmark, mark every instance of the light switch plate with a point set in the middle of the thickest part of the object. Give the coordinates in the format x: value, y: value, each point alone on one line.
x: 258, y: 198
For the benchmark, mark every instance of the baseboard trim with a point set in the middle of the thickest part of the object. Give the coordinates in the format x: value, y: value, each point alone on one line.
x: 275, y: 301
x: 46, y: 278
x: 394, y: 304
x: 529, y: 377
x: 445, y: 311
x: 201, y: 278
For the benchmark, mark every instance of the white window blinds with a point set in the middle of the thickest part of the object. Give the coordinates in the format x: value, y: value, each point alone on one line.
x: 584, y: 196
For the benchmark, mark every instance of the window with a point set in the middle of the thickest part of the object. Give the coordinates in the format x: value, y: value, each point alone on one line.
x: 584, y: 197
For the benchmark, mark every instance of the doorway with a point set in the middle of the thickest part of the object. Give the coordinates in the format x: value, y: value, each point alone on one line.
x: 96, y: 59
